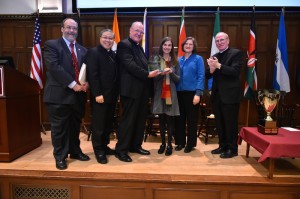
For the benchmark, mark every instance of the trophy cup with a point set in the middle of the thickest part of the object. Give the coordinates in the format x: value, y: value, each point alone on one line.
x: 268, y: 99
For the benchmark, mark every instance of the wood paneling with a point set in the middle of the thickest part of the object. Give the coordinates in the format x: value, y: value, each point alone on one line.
x: 16, y: 40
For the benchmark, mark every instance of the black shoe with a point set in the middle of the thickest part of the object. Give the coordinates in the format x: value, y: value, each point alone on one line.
x: 161, y: 149
x: 179, y: 147
x: 229, y: 153
x: 169, y: 150
x: 123, y: 157
x: 188, y: 149
x: 109, y: 151
x: 218, y: 150
x: 61, y: 165
x: 80, y: 156
x: 140, y: 151
x: 101, y: 159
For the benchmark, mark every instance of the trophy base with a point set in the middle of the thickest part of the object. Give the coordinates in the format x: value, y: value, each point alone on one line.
x: 268, y: 128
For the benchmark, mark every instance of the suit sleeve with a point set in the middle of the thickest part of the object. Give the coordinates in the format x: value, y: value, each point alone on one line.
x: 93, y: 72
x: 53, y: 60
x: 233, y: 67
x: 126, y: 57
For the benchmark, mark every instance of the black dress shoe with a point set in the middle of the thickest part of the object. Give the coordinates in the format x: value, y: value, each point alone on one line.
x: 109, y: 151
x: 80, y: 156
x: 229, y: 153
x: 101, y: 159
x: 169, y: 150
x: 140, y: 151
x: 61, y: 165
x: 123, y: 157
x: 179, y: 147
x: 218, y: 150
x: 188, y: 149
x: 161, y: 149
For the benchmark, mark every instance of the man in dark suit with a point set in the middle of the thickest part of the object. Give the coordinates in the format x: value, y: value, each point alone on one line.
x: 65, y: 98
x: 102, y: 77
x: 225, y: 68
x: 134, y: 93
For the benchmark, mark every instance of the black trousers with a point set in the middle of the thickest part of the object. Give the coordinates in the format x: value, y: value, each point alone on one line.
x: 65, y: 122
x: 226, y: 123
x: 102, y: 125
x: 166, y: 122
x: 132, y: 122
x: 188, y: 119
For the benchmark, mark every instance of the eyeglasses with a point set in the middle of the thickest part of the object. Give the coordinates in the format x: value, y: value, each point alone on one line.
x: 139, y: 31
x: 71, y: 28
x: 220, y: 40
x: 108, y: 38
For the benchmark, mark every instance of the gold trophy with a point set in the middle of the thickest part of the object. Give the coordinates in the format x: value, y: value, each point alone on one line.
x: 268, y: 99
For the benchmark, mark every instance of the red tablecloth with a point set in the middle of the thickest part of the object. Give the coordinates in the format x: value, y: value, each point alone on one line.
x: 284, y: 144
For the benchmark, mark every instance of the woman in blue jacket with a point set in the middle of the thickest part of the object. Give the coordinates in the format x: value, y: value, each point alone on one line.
x: 191, y: 84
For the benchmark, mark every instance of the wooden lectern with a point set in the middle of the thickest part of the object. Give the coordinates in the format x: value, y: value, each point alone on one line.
x: 19, y: 113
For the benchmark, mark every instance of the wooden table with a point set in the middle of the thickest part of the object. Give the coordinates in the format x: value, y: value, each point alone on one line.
x: 284, y: 144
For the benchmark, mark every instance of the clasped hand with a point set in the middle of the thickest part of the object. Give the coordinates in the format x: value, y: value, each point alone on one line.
x: 84, y: 87
x: 213, y: 64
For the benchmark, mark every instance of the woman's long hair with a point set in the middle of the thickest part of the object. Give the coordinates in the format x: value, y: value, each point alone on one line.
x: 174, y: 60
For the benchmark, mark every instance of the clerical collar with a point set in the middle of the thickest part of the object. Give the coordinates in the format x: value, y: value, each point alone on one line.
x: 133, y: 41
x: 223, y: 50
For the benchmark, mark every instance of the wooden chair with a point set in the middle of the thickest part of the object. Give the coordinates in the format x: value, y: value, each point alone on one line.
x: 286, y: 115
x: 207, y: 125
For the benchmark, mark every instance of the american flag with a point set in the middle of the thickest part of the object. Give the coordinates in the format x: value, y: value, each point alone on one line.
x: 36, y: 70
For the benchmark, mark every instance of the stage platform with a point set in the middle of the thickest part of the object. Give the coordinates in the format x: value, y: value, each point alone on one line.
x: 198, y: 174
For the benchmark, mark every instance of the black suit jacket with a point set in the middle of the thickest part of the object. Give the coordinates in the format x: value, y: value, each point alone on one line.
x: 226, y: 81
x: 60, y: 72
x: 133, y: 69
x: 102, y: 73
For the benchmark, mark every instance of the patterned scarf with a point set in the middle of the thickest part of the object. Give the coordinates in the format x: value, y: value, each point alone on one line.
x: 166, y: 89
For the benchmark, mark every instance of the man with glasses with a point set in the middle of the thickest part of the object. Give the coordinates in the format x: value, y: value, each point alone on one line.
x: 134, y: 93
x: 64, y: 96
x: 102, y: 76
x: 225, y: 67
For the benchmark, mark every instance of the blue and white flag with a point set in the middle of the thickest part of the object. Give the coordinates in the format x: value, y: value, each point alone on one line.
x: 281, y: 79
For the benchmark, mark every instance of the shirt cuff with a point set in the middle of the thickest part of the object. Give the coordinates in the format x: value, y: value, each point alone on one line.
x: 198, y: 92
x: 72, y: 85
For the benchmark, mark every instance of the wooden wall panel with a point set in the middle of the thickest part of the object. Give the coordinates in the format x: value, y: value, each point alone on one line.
x: 112, y: 192
x: 8, y: 33
x: 16, y: 41
x: 164, y: 193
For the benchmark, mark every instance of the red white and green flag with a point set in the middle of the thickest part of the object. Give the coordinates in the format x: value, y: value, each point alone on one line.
x: 251, y: 78
x: 214, y: 49
x: 182, y: 34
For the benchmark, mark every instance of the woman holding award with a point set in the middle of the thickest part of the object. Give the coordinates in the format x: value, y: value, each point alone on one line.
x: 165, y: 102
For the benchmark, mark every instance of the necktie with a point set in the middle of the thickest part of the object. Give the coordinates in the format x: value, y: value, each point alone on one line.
x: 75, y: 62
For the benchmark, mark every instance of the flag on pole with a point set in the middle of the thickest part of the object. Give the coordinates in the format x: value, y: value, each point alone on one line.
x: 182, y: 34
x: 251, y: 78
x: 79, y: 33
x: 145, y: 36
x: 281, y: 79
x: 115, y: 29
x: 36, y: 68
x: 214, y: 49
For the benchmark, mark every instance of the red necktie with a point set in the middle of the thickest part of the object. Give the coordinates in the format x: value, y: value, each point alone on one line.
x: 75, y: 62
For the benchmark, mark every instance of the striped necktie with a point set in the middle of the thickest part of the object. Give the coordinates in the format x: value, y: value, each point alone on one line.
x: 75, y: 62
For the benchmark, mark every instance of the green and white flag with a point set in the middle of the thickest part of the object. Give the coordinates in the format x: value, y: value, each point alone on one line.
x: 214, y: 49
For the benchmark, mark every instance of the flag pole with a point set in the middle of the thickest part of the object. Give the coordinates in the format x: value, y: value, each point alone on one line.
x: 40, y: 100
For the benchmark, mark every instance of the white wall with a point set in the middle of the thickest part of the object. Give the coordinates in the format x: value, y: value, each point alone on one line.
x: 28, y: 6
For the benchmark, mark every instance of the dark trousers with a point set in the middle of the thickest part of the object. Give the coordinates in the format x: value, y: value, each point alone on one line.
x: 166, y: 123
x: 102, y: 125
x: 132, y: 123
x: 226, y: 123
x: 188, y: 118
x: 65, y: 123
